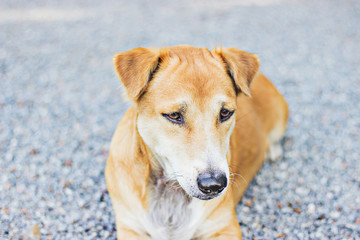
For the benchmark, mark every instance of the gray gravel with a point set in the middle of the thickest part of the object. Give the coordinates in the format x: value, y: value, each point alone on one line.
x: 60, y: 102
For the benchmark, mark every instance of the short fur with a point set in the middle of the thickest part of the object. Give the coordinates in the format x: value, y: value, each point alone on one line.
x: 154, y: 163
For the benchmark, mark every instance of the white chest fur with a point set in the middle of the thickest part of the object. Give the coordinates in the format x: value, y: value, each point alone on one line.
x: 172, y: 214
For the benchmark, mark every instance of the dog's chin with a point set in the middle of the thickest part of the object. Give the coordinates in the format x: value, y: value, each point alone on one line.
x: 206, y: 197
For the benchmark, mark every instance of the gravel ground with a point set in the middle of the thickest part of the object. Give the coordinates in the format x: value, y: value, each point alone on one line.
x: 60, y: 102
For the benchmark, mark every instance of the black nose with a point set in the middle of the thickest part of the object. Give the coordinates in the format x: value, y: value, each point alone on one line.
x: 212, y: 183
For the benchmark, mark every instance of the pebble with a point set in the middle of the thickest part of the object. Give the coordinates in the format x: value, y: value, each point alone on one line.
x: 36, y: 232
x: 302, y: 191
x: 311, y: 208
x: 335, y: 214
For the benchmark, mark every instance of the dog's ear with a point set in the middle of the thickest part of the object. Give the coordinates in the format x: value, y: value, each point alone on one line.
x: 135, y: 68
x: 241, y: 66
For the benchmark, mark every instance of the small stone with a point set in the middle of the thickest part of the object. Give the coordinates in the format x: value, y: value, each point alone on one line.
x: 105, y: 234
x: 259, y: 207
x: 323, y: 180
x: 281, y: 235
x: 245, y: 209
x: 61, y: 227
x: 68, y: 191
x: 67, y: 163
x: 297, y: 210
x: 6, y: 211
x: 102, y: 197
x: 335, y: 214
x: 334, y: 230
x: 102, y: 205
x: 36, y: 232
x: 321, y: 217
x: 311, y: 208
x: 34, y: 151
x: 302, y: 191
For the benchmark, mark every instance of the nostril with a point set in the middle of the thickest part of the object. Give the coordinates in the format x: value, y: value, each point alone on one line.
x: 212, y: 182
x: 221, y: 179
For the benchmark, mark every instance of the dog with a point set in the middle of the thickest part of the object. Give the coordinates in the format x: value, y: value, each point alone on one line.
x: 200, y: 127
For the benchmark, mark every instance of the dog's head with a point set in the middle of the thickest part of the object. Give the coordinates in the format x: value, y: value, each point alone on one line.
x: 186, y: 103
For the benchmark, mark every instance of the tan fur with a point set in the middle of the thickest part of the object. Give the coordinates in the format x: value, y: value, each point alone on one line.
x: 146, y: 146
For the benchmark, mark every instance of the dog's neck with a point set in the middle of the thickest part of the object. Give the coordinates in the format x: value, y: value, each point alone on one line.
x: 163, y: 183
x: 169, y: 208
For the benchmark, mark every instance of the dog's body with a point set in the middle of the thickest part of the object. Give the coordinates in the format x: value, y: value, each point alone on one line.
x: 179, y: 144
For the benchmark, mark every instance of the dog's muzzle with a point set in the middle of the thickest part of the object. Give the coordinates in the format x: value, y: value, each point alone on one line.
x: 212, y: 183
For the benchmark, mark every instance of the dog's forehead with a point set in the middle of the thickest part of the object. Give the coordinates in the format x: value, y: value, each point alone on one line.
x: 192, y: 72
x: 194, y: 57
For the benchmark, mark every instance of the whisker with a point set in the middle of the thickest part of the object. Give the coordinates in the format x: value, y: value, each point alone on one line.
x: 238, y: 174
x: 234, y: 181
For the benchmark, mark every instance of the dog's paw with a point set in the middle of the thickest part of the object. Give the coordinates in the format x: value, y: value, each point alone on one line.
x: 275, y: 152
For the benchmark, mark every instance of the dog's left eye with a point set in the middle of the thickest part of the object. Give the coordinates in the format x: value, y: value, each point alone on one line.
x: 225, y: 114
x: 174, y: 117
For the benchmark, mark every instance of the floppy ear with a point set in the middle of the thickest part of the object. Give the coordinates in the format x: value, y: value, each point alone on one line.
x: 135, y: 69
x: 241, y: 66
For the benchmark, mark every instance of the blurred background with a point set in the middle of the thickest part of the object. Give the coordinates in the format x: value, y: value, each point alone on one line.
x: 60, y: 102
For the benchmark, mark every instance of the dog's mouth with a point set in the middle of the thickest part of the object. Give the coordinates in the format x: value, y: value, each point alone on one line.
x: 207, y: 197
x: 201, y: 196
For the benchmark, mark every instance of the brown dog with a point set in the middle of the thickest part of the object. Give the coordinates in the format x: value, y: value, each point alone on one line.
x: 200, y: 127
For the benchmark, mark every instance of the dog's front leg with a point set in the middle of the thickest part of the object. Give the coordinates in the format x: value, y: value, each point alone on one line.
x: 222, y: 224
x: 231, y: 232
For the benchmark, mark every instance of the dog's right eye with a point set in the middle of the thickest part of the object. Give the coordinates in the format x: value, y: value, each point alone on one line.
x: 174, y: 117
x: 225, y: 114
